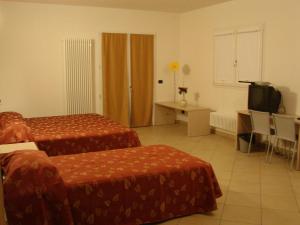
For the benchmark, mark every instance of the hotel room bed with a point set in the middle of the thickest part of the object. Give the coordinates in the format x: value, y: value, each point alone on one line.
x: 71, y: 134
x: 122, y: 187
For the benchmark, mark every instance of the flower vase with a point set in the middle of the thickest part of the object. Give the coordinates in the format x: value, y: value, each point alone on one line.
x: 183, y: 102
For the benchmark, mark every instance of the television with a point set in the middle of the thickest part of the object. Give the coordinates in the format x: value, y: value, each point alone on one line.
x: 263, y: 98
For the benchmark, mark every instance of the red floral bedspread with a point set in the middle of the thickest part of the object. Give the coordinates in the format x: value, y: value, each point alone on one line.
x: 136, y: 186
x: 62, y: 135
x: 13, y: 128
x: 34, y: 192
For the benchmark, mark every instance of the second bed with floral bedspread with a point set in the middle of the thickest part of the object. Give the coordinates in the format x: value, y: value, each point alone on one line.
x: 118, y: 187
x: 62, y: 135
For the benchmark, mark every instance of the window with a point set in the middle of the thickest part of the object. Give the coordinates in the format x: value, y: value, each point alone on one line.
x: 238, y: 56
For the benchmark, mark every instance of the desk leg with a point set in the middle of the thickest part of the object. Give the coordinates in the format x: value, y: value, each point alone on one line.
x: 164, y: 115
x: 298, y: 151
x: 198, y: 123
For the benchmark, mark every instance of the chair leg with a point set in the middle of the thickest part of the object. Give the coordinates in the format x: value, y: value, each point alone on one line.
x: 266, y: 145
x: 272, y: 150
x: 287, y: 149
x: 283, y: 148
x: 268, y: 149
x: 249, y: 147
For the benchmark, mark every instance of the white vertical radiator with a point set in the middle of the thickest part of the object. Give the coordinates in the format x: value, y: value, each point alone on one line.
x: 79, y: 61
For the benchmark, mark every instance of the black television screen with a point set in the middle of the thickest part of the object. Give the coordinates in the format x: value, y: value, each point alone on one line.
x: 263, y: 98
x: 258, y: 98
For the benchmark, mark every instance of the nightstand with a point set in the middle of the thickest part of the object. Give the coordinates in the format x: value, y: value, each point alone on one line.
x: 7, y: 148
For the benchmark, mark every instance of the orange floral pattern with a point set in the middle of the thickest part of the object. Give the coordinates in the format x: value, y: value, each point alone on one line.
x: 15, y: 133
x: 13, y: 128
x: 119, y: 187
x: 34, y: 191
x: 62, y: 135
x: 137, y: 185
x: 7, y: 118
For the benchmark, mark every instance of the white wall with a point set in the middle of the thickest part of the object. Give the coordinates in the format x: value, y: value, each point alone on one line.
x: 31, y: 64
x: 31, y: 57
x: 281, y: 51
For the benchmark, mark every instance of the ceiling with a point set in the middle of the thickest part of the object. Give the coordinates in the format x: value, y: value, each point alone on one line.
x: 178, y: 6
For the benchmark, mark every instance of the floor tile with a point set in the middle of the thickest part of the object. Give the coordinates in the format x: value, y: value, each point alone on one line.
x: 197, y: 220
x: 226, y: 222
x: 294, y: 174
x: 295, y: 181
x: 275, y: 171
x: 247, y: 169
x: 224, y: 184
x: 276, y: 189
x: 242, y: 214
x: 281, y: 202
x: 251, y: 164
x: 296, y: 189
x: 170, y: 222
x: 275, y: 180
x: 223, y: 174
x: 298, y: 202
x: 279, y: 217
x: 244, y: 187
x: 245, y: 177
x: 243, y: 199
x: 217, y: 213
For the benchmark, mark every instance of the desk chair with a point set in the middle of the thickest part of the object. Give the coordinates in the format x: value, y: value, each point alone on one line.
x: 260, y: 123
x: 285, y: 130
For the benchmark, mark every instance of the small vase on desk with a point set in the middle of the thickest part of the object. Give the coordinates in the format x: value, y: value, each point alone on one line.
x: 183, y: 101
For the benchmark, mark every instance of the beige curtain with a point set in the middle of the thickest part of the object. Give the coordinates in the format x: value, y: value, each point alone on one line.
x: 115, y: 77
x: 142, y: 67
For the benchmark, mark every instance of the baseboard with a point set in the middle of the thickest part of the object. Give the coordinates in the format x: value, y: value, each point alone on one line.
x: 223, y: 133
x: 180, y: 122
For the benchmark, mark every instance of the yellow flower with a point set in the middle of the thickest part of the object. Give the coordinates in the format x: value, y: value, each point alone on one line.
x: 174, y: 66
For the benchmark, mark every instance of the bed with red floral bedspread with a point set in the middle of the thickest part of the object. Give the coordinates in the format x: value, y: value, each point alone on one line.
x: 71, y: 134
x: 119, y: 187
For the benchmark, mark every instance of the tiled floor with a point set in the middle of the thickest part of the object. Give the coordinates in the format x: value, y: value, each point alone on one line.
x: 255, y: 192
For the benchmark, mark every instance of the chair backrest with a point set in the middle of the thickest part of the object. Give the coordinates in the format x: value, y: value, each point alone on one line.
x: 260, y: 122
x: 285, y: 127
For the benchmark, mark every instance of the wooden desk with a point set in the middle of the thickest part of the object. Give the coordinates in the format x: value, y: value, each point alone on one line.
x: 198, y: 117
x: 244, y: 126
